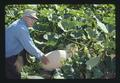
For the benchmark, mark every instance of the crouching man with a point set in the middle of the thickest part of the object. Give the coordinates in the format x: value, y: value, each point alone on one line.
x: 17, y: 41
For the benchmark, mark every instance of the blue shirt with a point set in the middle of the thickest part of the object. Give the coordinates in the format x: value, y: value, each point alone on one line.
x: 17, y: 38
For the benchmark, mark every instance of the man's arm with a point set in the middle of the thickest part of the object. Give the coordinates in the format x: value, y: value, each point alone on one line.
x: 27, y: 42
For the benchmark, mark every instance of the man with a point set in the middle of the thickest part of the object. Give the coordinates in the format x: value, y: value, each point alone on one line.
x: 17, y: 39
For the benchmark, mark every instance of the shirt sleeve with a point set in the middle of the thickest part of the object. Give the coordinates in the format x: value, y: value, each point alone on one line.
x: 27, y: 42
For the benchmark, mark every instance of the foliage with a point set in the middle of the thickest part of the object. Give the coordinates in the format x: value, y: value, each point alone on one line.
x: 90, y: 26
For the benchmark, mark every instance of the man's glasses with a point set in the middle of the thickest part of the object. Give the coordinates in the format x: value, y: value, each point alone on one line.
x: 33, y: 18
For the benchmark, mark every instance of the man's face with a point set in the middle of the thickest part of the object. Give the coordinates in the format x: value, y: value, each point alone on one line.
x: 30, y: 21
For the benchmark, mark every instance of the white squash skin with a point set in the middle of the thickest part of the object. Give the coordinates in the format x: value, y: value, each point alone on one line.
x: 55, y: 58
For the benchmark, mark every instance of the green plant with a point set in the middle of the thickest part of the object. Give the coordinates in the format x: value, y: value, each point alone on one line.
x: 90, y: 26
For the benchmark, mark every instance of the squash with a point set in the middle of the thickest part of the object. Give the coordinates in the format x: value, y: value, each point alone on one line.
x: 56, y: 58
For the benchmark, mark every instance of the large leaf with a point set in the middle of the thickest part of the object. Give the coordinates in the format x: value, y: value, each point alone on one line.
x: 67, y: 24
x: 101, y: 25
x: 61, y: 26
x: 48, y: 36
x: 97, y: 73
x: 92, y: 62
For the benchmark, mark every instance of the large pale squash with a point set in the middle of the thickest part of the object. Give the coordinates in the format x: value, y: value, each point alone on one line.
x: 57, y: 57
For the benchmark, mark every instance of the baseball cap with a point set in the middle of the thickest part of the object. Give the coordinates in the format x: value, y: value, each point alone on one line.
x: 31, y: 13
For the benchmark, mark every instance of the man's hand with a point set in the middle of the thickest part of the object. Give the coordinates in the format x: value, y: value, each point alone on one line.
x: 44, y: 60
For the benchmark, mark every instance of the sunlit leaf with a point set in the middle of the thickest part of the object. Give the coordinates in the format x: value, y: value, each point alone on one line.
x: 36, y: 41
x: 60, y: 25
x: 101, y: 25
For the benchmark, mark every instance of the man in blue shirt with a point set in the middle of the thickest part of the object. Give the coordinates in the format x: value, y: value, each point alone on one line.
x: 17, y: 39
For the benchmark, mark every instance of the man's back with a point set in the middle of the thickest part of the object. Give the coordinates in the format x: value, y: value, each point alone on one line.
x: 12, y: 45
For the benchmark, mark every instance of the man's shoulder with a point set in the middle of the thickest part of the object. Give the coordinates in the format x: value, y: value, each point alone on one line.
x: 20, y: 24
x: 13, y: 24
x: 17, y: 25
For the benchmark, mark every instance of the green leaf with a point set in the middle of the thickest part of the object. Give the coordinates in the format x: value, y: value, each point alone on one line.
x: 97, y: 73
x: 37, y: 42
x: 45, y: 12
x: 34, y: 77
x: 56, y: 36
x: 61, y: 26
x: 98, y: 45
x: 101, y: 25
x: 67, y: 24
x: 45, y: 36
x: 86, y: 51
x: 92, y: 62
x: 51, y: 43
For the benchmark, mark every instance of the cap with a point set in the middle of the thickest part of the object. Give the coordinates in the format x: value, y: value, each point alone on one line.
x: 30, y: 13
